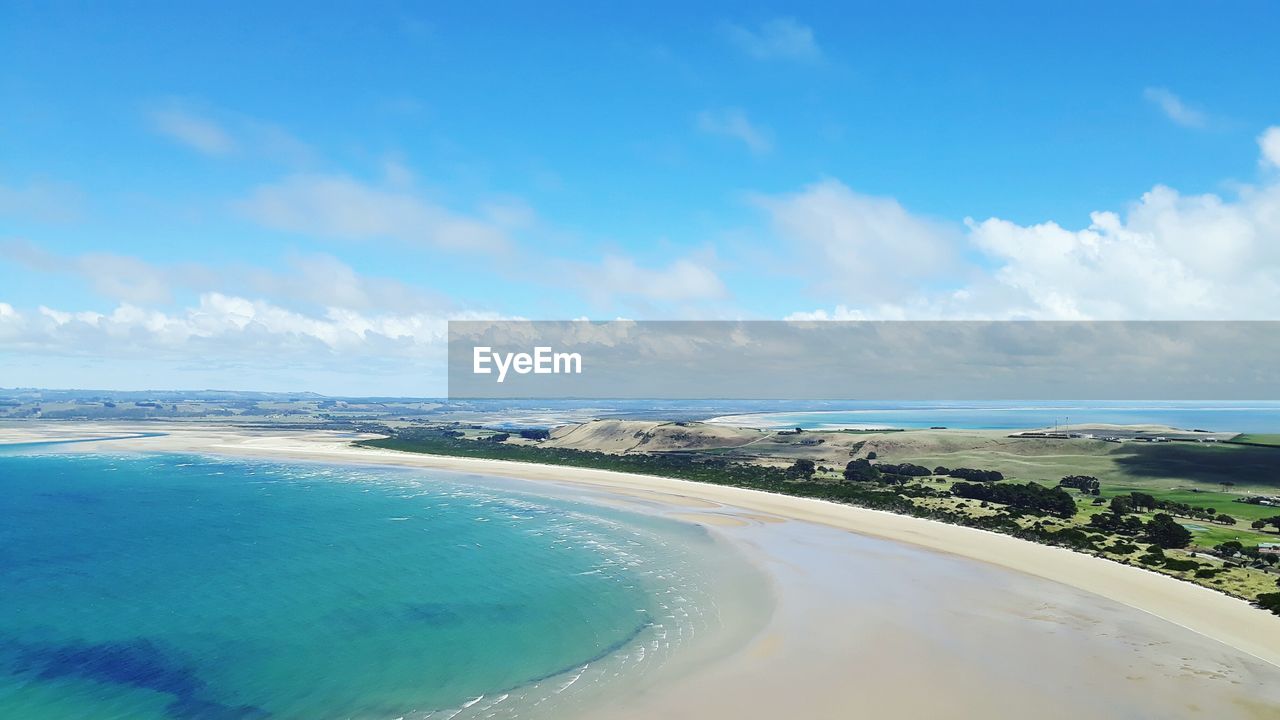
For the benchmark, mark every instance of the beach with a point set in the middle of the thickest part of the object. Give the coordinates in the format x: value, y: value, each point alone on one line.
x: 873, y: 613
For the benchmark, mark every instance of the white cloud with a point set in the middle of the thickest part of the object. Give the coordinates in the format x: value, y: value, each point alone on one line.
x: 1166, y: 256
x: 229, y: 134
x: 617, y: 277
x: 198, y: 133
x: 779, y: 38
x: 117, y: 277
x: 231, y: 328
x: 733, y: 123
x: 40, y: 201
x: 859, y: 247
x: 1174, y: 108
x: 310, y: 280
x: 338, y: 206
x: 1269, y: 144
x: 324, y: 281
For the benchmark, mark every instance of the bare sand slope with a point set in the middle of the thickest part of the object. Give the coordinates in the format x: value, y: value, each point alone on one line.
x: 619, y: 436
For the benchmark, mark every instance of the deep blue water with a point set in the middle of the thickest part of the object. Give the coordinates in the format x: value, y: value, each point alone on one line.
x: 1252, y: 417
x: 193, y: 588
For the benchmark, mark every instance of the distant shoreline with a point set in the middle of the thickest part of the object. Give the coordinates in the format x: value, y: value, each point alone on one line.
x: 1232, y: 417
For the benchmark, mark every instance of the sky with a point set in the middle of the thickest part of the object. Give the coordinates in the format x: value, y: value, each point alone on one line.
x: 289, y: 196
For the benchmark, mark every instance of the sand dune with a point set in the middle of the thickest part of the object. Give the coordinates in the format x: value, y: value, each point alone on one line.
x: 618, y: 436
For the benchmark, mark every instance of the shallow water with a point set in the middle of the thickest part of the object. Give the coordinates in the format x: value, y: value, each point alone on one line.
x: 176, y: 586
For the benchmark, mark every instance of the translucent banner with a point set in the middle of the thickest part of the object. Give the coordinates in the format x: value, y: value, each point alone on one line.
x: 865, y: 360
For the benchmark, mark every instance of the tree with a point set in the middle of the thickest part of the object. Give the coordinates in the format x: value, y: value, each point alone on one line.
x: 1229, y: 548
x: 871, y: 455
x: 1031, y: 496
x: 976, y: 475
x: 1121, y: 505
x: 802, y: 469
x: 908, y: 469
x: 1143, y: 501
x: 1084, y: 483
x: 1119, y: 524
x: 861, y: 470
x: 1164, y: 531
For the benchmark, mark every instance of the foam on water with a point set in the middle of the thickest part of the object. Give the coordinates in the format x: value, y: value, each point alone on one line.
x: 166, y: 586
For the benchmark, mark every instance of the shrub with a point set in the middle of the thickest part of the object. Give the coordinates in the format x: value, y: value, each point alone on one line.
x: 1178, y: 565
x: 1270, y: 601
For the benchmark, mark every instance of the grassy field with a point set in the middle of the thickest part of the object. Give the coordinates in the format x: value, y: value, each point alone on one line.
x: 1190, y: 473
x: 1269, y: 440
x: 1145, y: 466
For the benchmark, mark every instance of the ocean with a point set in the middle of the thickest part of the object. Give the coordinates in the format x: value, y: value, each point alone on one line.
x: 192, y: 588
x: 1262, y: 416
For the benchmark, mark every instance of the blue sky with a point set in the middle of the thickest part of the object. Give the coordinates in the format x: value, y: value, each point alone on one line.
x: 298, y: 197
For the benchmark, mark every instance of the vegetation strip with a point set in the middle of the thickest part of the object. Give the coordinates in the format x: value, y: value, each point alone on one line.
x: 975, y: 498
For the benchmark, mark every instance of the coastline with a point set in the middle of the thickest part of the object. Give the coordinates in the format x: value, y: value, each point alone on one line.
x: 763, y: 523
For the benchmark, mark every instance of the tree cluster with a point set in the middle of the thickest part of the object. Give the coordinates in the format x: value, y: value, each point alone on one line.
x: 861, y: 470
x: 1084, y: 483
x: 908, y: 469
x: 1262, y: 524
x: 802, y: 469
x: 1031, y: 496
x: 1116, y: 524
x: 973, y: 475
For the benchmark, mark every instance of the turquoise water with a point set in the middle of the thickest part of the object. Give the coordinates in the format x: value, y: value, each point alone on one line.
x: 168, y: 586
x: 1261, y: 416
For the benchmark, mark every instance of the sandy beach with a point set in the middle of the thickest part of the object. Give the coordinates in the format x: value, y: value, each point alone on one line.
x: 877, y: 614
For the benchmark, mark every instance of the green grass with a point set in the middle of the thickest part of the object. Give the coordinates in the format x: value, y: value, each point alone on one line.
x: 1270, y: 440
x: 1220, y: 501
x: 1137, y: 465
x: 1218, y: 534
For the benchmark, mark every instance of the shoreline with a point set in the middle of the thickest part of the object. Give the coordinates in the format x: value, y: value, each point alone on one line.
x: 756, y: 520
x: 1213, y: 614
